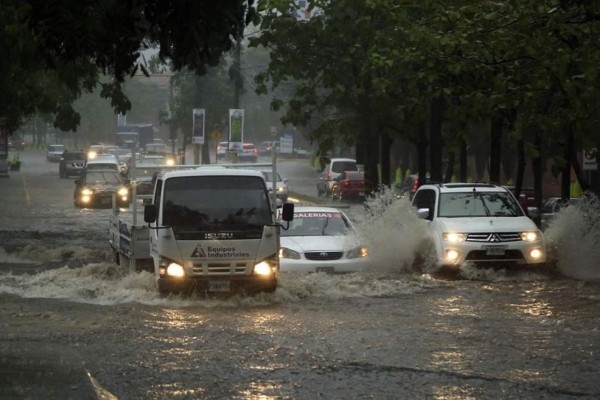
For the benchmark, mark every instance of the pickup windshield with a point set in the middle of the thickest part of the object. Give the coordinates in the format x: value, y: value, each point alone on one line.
x: 478, y: 204
x: 216, y: 202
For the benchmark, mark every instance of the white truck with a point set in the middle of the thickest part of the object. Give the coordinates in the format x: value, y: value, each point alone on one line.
x: 209, y: 229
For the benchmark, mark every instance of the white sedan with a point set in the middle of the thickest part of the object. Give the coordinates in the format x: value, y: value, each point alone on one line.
x: 321, y: 239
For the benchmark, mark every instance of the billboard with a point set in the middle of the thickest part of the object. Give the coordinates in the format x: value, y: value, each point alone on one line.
x: 236, y: 128
x: 198, y: 132
x: 286, y: 141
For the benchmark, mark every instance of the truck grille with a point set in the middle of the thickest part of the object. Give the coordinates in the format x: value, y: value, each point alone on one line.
x: 494, y: 237
x: 220, y: 268
x: 323, y: 255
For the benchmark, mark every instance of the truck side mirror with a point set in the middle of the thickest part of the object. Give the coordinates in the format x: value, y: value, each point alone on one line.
x: 287, y: 214
x: 150, y: 213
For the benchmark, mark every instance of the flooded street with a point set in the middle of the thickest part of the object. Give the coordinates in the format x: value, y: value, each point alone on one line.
x: 75, y: 324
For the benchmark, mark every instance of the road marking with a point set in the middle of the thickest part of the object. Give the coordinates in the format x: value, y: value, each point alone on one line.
x: 27, y: 197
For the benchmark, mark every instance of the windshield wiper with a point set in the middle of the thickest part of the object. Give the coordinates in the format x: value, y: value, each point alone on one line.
x: 325, y: 226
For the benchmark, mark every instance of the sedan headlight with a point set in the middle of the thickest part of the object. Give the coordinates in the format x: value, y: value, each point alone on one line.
x: 531, y: 236
x: 358, y: 252
x: 284, y: 252
x: 454, y: 237
x: 87, y: 192
x: 122, y: 191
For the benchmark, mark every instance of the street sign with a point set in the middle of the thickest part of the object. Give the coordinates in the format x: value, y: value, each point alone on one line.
x: 590, y: 160
x: 236, y: 128
x: 286, y: 142
x: 198, y: 119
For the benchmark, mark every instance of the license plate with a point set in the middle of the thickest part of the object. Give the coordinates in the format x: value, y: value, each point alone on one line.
x: 495, y: 250
x: 218, y: 286
x: 327, y: 270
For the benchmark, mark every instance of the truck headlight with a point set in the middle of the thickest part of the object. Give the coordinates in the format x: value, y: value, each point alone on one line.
x: 175, y: 270
x: 532, y: 236
x: 263, y: 268
x: 87, y: 192
x: 358, y: 252
x: 454, y: 237
x: 123, y: 191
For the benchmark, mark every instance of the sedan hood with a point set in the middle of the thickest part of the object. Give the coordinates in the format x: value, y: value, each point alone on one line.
x: 487, y: 224
x: 317, y: 243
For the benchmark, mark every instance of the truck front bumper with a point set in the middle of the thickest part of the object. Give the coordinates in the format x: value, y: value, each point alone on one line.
x: 217, y: 285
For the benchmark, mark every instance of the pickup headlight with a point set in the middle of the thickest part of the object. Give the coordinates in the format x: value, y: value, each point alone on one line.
x: 358, y: 252
x: 87, y: 192
x: 532, y: 236
x: 122, y: 191
x: 284, y: 252
x: 454, y: 237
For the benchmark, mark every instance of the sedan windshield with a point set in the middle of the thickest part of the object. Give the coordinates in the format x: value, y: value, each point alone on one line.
x: 478, y: 204
x: 216, y: 202
x: 317, y: 224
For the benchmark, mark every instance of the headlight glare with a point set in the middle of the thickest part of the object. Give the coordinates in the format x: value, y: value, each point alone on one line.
x: 452, y: 255
x: 122, y: 191
x: 263, y: 268
x: 532, y: 236
x: 87, y: 192
x: 454, y: 237
x: 536, y: 253
x: 284, y: 252
x: 175, y: 270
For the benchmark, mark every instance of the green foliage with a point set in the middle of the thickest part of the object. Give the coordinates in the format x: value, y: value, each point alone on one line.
x: 55, y: 51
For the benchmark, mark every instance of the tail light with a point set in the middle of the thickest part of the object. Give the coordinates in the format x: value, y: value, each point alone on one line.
x: 415, y: 185
x: 346, y: 183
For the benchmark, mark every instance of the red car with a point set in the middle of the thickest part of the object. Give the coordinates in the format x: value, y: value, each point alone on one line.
x: 349, y: 185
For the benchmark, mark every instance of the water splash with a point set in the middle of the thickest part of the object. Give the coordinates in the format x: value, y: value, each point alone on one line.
x: 393, y: 232
x: 574, y: 236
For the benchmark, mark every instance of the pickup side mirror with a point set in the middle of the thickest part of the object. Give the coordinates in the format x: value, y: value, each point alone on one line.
x: 287, y: 214
x: 423, y: 213
x: 150, y: 213
x: 533, y: 212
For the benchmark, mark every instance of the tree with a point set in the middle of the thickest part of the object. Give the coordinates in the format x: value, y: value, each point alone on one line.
x: 46, y: 66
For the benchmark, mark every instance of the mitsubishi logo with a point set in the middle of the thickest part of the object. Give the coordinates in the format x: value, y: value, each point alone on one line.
x: 323, y: 254
x: 491, y: 222
x: 494, y: 238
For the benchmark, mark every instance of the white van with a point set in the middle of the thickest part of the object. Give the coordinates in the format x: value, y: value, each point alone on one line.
x: 333, y: 169
x: 213, y: 230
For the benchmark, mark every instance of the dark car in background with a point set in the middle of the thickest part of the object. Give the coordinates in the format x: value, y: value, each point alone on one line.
x: 349, y: 185
x: 249, y: 152
x: 552, y: 206
x: 71, y: 163
x: 409, y: 186
x: 95, y: 189
x: 55, y: 152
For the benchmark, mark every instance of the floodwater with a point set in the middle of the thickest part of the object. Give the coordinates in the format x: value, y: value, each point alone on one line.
x: 75, y: 324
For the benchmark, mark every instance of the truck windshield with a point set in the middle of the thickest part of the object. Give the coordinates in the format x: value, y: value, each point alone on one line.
x: 478, y: 204
x: 216, y: 202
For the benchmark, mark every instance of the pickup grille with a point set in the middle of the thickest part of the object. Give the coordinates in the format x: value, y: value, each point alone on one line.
x: 220, y: 268
x: 494, y: 237
x: 480, y: 255
x: 323, y: 255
